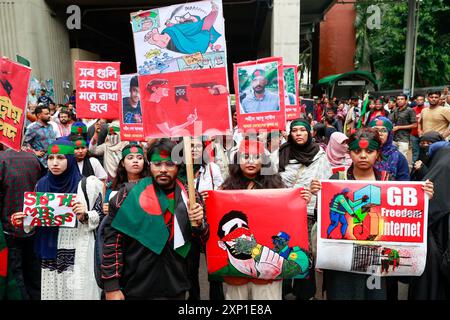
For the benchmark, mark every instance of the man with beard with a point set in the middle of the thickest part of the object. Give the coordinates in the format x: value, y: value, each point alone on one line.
x: 40, y: 134
x: 435, y: 117
x: 63, y: 126
x: 260, y: 100
x: 148, y: 234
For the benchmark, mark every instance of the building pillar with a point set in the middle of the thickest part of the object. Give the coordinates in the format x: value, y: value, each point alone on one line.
x: 286, y: 30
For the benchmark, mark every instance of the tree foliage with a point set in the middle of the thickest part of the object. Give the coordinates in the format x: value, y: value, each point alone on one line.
x: 382, y: 51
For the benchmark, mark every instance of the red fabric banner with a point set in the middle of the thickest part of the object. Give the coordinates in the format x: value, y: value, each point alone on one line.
x: 257, y: 234
x: 98, y: 89
x: 14, y: 80
x: 185, y: 103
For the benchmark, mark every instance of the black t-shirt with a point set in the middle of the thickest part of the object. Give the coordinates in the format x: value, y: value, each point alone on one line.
x: 403, y: 117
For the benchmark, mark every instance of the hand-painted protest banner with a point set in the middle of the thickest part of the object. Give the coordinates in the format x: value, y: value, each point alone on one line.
x: 181, y: 60
x: 45, y: 209
x: 291, y: 92
x: 131, y: 114
x: 14, y: 80
x: 247, y: 238
x: 260, y: 95
x: 372, y: 227
x: 98, y: 89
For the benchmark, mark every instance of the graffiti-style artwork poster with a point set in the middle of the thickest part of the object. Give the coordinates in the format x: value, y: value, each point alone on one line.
x: 259, y: 234
x: 260, y: 94
x: 181, y: 60
x: 14, y: 80
x: 46, y: 209
x: 98, y: 89
x: 182, y: 37
x: 291, y: 92
x: 131, y: 112
x: 372, y: 227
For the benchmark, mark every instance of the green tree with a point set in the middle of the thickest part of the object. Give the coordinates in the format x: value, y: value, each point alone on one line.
x: 383, y: 50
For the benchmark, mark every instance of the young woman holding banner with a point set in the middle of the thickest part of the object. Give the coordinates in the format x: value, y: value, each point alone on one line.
x: 246, y: 173
x: 364, y: 149
x: 67, y: 254
x: 301, y: 160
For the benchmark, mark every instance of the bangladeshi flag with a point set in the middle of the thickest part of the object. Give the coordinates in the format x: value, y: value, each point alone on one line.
x: 8, y: 285
x: 141, y: 216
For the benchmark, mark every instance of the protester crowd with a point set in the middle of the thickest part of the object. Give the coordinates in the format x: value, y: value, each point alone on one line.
x: 107, y: 255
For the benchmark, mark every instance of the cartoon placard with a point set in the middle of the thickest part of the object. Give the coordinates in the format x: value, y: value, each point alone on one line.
x: 259, y: 89
x: 259, y: 234
x: 46, y: 209
x: 182, y: 37
x: 98, y: 89
x: 131, y: 125
x: 14, y: 80
x: 372, y: 227
x: 181, y: 61
x: 291, y: 92
x: 185, y: 104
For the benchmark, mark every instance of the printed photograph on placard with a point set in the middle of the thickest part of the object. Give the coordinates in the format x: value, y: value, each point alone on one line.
x: 131, y: 112
x: 258, y: 88
x: 181, y: 37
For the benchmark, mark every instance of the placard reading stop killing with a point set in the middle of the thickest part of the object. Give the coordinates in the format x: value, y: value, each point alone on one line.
x: 45, y: 209
x: 372, y: 227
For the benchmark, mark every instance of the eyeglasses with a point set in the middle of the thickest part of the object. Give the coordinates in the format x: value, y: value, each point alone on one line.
x: 167, y: 164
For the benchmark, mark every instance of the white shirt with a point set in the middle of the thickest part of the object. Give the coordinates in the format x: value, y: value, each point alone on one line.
x: 205, y: 180
x: 99, y: 172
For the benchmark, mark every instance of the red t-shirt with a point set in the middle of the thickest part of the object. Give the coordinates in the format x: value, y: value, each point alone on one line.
x: 418, y: 110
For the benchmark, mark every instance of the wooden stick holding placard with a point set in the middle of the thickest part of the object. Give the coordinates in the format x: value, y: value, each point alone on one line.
x: 190, y: 173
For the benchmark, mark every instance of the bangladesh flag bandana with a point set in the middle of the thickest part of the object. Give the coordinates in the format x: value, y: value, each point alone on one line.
x: 141, y: 216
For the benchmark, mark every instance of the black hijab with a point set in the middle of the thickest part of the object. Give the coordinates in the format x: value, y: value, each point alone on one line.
x: 304, y: 153
x: 431, y: 137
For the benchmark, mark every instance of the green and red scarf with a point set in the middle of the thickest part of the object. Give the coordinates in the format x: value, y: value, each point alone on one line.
x: 8, y: 285
x: 141, y: 216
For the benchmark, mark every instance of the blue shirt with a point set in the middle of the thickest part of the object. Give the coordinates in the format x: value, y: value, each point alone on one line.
x: 269, y: 102
x: 39, y: 137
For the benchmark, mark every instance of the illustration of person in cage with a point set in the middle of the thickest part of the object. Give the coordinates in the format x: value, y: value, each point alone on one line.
x: 339, y: 206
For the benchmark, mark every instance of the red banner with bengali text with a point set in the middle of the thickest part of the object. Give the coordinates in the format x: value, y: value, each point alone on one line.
x: 98, y: 89
x: 14, y: 80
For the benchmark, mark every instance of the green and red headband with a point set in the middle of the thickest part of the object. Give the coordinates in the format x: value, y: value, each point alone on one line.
x: 381, y: 123
x: 113, y: 129
x: 162, y: 155
x: 251, y: 147
x: 363, y: 143
x: 132, y: 149
x: 301, y: 123
x: 77, y: 128
x: 80, y: 143
x: 60, y: 149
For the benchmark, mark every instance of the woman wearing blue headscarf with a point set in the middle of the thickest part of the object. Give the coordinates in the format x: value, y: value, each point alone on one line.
x: 67, y: 254
x: 391, y: 160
